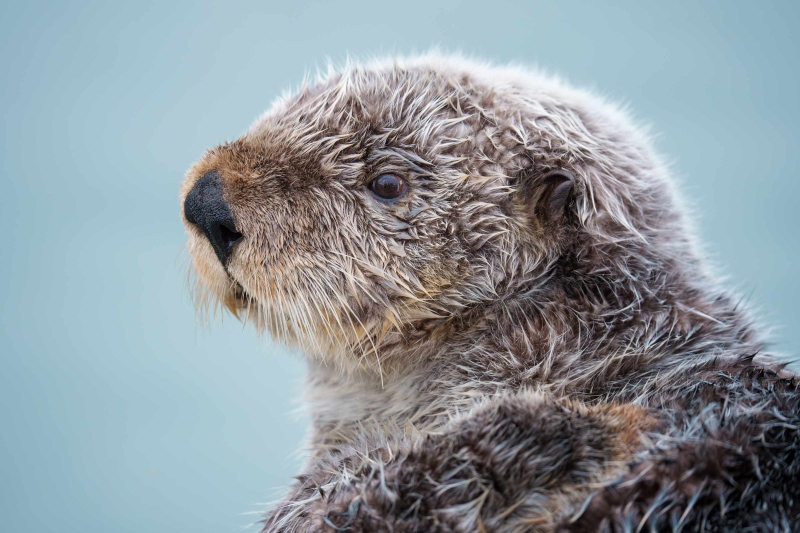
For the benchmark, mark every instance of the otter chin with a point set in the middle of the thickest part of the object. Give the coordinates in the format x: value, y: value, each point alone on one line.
x: 508, y: 322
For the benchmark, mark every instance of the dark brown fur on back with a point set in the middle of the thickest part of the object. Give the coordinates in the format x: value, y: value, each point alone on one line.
x: 527, y: 340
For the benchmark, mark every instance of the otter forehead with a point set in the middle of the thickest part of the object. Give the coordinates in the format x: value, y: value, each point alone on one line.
x: 447, y: 112
x: 414, y: 106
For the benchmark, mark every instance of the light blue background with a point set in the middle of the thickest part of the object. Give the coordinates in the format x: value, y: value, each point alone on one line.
x: 118, y: 413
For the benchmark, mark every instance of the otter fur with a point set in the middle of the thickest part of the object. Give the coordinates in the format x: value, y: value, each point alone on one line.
x: 525, y: 338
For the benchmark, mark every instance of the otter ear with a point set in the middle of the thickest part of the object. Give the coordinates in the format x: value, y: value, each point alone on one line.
x: 546, y: 197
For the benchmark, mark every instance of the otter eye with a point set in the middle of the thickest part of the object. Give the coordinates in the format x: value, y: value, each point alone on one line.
x: 387, y: 186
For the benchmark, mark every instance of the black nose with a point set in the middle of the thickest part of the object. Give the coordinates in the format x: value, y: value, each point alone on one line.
x: 205, y: 206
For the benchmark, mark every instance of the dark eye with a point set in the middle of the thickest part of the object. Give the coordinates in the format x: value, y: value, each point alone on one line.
x: 388, y: 186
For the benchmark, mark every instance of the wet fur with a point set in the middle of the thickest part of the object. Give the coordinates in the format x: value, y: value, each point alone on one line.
x: 477, y: 363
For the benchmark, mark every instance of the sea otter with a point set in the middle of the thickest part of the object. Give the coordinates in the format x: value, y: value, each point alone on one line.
x: 508, y: 324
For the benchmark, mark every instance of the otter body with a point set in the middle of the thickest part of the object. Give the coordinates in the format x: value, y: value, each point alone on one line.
x: 507, y: 322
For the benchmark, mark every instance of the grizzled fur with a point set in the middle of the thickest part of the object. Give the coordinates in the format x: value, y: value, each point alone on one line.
x: 482, y: 356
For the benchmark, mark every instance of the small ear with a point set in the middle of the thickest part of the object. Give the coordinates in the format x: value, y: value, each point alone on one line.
x: 546, y: 197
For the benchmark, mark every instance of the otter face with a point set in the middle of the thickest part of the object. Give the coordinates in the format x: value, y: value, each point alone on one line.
x: 332, y: 231
x: 367, y: 214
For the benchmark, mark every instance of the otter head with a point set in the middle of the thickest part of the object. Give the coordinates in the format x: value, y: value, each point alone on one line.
x: 375, y: 212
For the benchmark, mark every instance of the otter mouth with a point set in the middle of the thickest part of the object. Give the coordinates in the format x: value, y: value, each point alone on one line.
x: 238, y: 298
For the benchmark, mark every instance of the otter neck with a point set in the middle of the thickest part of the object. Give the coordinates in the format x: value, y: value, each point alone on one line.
x: 580, y: 337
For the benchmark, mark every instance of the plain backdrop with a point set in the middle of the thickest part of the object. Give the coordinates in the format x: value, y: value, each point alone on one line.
x: 117, y: 412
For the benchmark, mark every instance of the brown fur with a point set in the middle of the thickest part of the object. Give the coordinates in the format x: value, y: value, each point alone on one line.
x: 478, y: 360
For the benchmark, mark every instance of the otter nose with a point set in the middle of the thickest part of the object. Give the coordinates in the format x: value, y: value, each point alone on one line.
x: 205, y: 207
